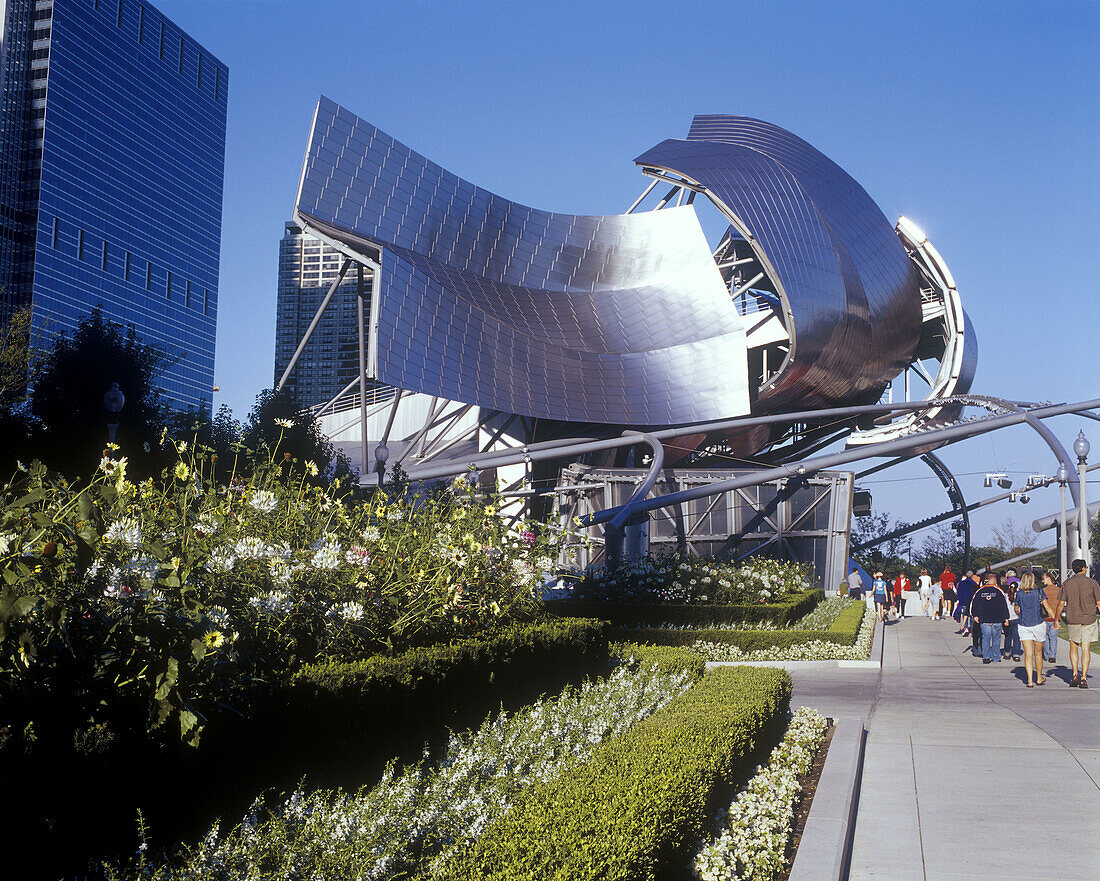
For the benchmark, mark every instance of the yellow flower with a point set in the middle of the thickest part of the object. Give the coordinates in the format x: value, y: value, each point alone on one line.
x: 182, y: 471
x: 311, y: 467
x: 213, y: 638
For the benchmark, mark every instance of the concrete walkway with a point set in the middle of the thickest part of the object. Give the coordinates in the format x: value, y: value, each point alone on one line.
x: 967, y: 774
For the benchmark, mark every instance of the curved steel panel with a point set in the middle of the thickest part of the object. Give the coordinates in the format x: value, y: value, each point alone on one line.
x: 622, y: 319
x: 852, y: 291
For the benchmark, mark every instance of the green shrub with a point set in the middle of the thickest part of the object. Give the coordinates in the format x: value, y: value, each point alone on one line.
x: 843, y: 631
x: 633, y: 810
x: 635, y: 614
x: 661, y: 656
x: 337, y: 723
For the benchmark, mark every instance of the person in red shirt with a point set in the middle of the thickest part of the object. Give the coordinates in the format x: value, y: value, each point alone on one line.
x: 901, y: 584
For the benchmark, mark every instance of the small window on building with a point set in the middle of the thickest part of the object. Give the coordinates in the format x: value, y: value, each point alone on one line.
x: 200, y: 71
x: 168, y: 286
x: 149, y: 275
x: 162, y: 39
x: 206, y: 301
x: 56, y: 232
x: 217, y: 81
x: 80, y: 246
x: 126, y: 270
x: 119, y: 22
x: 141, y: 24
x: 187, y: 300
x: 103, y: 265
x: 181, y: 54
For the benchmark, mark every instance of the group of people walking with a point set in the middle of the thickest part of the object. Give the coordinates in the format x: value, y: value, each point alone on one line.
x: 1024, y: 612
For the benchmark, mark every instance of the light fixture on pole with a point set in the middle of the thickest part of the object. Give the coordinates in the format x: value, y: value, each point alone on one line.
x: 1081, y: 448
x: 1063, y: 479
x: 113, y: 402
x: 1000, y: 477
x: 381, y: 454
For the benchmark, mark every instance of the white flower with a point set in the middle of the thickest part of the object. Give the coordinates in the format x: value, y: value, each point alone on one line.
x: 326, y: 557
x: 284, y: 423
x: 264, y: 501
x: 6, y: 541
x: 126, y: 531
x: 223, y: 560
x: 252, y: 548
x: 371, y: 534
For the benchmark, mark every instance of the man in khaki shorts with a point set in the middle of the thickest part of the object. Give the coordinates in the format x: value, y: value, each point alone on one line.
x: 1081, y: 598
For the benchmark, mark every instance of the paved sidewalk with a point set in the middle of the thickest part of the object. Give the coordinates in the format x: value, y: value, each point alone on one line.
x: 968, y: 774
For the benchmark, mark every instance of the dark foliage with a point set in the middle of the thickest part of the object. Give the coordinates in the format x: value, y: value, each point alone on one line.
x: 67, y: 400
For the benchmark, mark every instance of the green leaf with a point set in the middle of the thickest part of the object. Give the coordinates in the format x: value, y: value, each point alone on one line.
x: 162, y: 711
x: 167, y: 679
x: 188, y: 720
x: 198, y: 649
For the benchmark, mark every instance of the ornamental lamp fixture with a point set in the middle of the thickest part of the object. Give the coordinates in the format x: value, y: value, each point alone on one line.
x: 113, y: 402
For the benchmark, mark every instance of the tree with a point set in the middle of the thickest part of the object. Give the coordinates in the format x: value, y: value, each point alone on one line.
x: 274, y: 420
x: 1013, y: 540
x: 887, y: 555
x: 67, y: 399
x: 18, y: 365
x: 941, y: 548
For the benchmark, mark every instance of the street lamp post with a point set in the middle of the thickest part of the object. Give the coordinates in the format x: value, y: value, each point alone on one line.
x: 113, y: 403
x: 1063, y: 566
x: 1081, y: 448
x: 381, y: 454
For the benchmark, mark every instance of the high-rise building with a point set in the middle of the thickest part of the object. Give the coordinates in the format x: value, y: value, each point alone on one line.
x: 112, y: 157
x: 330, y: 361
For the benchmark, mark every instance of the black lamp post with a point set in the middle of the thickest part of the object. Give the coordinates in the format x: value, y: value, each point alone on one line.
x: 1081, y: 447
x: 113, y: 402
x: 381, y: 454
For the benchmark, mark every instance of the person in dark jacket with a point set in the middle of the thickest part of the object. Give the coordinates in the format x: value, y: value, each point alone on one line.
x: 989, y: 609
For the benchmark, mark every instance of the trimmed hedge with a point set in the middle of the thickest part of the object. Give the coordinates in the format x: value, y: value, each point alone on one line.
x: 634, y: 614
x: 335, y: 723
x: 635, y: 810
x: 843, y: 631
x: 661, y: 656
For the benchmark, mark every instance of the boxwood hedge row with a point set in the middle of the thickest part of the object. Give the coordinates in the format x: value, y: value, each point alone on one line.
x: 633, y: 811
x: 843, y: 631
x: 648, y: 614
x: 335, y: 723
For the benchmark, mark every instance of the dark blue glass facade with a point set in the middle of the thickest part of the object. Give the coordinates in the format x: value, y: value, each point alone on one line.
x: 126, y: 197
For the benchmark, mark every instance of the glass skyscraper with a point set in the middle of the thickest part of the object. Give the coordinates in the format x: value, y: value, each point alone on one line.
x: 330, y: 360
x: 112, y: 157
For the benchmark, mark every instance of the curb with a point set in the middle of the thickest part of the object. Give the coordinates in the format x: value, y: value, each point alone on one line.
x: 825, y: 848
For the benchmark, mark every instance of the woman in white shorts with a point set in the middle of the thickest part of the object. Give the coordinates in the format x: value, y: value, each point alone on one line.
x: 924, y: 589
x: 1031, y: 606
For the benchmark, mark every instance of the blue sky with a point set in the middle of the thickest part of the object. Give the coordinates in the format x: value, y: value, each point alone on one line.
x: 978, y: 120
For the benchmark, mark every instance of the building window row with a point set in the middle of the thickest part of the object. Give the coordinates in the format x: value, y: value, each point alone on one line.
x: 120, y: 12
x: 127, y: 268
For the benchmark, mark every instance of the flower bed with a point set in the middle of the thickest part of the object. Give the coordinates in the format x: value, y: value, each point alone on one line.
x: 752, y: 843
x: 421, y: 819
x: 814, y: 649
x: 177, y: 594
x: 843, y: 630
x: 685, y: 579
x: 633, y: 810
